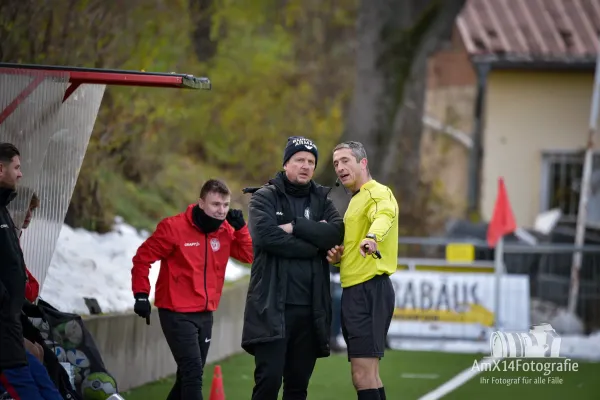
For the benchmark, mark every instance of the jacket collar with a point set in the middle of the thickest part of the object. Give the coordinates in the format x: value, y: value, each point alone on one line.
x: 190, y: 220
x: 6, y: 196
x: 366, y: 186
x: 315, y: 188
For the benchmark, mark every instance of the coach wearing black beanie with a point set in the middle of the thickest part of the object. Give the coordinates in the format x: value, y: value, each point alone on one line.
x: 288, y: 309
x: 299, y: 143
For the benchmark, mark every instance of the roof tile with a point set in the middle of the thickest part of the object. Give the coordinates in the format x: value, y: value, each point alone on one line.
x: 530, y: 30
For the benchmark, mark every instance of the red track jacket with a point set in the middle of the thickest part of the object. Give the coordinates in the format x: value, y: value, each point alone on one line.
x: 32, y: 287
x: 192, y: 264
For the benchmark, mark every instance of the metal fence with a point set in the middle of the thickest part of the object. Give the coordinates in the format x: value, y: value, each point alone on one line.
x: 547, y: 266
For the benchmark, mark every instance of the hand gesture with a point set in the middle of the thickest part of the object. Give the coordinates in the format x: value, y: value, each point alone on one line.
x: 334, y: 255
x: 236, y: 219
x: 368, y: 246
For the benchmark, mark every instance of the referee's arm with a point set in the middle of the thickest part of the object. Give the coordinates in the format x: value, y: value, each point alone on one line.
x: 265, y: 231
x: 383, y: 214
x: 323, y: 235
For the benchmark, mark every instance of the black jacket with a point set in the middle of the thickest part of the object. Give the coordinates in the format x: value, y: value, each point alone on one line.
x: 275, y: 250
x: 12, y: 288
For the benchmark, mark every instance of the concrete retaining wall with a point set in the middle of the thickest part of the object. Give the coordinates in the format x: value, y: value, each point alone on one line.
x: 136, y: 353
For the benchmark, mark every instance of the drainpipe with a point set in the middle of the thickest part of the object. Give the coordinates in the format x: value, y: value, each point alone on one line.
x: 475, y: 157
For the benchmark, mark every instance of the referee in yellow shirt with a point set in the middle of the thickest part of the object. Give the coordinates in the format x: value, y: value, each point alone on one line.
x: 366, y: 260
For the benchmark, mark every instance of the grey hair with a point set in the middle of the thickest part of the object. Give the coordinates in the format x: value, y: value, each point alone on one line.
x: 358, y: 150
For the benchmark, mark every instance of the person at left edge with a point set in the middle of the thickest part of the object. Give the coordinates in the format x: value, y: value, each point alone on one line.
x: 193, y: 248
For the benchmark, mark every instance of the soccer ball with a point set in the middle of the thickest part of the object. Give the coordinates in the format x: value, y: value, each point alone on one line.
x: 98, y: 386
x: 74, y: 333
x: 61, y: 354
x: 41, y: 326
x: 70, y: 334
x: 78, y: 358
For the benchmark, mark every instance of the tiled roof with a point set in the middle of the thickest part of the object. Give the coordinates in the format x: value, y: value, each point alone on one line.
x: 531, y: 30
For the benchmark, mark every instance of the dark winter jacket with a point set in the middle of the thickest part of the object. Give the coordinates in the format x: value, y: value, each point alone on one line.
x: 12, y: 288
x: 275, y: 251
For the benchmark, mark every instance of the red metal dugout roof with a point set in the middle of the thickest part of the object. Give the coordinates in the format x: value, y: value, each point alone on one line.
x: 530, y: 31
x: 80, y: 76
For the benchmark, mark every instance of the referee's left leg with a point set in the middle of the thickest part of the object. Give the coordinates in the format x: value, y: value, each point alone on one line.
x: 367, y: 310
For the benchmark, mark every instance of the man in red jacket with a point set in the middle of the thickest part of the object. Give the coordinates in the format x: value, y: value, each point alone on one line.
x: 193, y: 248
x: 32, y: 287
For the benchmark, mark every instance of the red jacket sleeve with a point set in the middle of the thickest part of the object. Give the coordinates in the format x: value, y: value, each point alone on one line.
x: 157, y: 247
x: 241, y: 248
x: 32, y: 289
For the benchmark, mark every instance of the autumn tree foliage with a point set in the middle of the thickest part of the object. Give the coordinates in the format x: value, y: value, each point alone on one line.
x: 327, y: 69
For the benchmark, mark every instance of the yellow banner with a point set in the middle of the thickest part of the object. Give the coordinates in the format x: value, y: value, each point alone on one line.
x: 474, y: 314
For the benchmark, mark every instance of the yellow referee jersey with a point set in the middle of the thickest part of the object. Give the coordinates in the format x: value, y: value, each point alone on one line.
x: 372, y: 210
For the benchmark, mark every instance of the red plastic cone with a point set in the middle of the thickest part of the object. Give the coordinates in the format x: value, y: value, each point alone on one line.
x: 216, y: 389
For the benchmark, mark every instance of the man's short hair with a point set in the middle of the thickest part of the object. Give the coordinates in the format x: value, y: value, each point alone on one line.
x: 358, y: 150
x: 35, y: 201
x: 7, y: 152
x: 214, y: 186
x: 26, y: 192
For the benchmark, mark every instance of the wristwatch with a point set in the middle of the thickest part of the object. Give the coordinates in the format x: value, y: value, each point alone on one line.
x: 371, y: 236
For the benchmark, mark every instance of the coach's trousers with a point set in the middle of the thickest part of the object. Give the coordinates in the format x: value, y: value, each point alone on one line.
x: 188, y: 336
x: 292, y: 358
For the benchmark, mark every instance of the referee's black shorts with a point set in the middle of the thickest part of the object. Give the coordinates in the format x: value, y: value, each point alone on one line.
x: 367, y: 310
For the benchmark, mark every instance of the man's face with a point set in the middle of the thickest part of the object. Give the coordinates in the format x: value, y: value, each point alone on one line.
x: 300, y: 167
x: 347, y: 169
x: 10, y: 173
x: 215, y: 205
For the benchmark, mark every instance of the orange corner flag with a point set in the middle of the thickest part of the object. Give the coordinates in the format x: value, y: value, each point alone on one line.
x: 216, y: 390
x: 503, y: 220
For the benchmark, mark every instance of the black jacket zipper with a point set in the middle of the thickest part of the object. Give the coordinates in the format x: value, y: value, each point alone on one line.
x: 205, y: 268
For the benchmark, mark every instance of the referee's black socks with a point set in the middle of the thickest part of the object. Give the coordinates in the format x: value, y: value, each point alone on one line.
x: 368, y: 394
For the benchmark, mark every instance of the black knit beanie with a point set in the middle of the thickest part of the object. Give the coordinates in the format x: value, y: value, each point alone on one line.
x: 299, y: 143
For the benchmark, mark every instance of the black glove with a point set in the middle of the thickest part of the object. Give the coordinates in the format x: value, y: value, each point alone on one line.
x: 142, y: 306
x: 236, y: 219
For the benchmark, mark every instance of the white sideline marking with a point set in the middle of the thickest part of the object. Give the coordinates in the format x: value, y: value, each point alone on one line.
x: 457, y: 381
x: 420, y: 376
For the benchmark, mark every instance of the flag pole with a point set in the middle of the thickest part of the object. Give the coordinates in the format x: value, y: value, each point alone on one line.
x: 584, y: 193
x: 498, y: 272
x: 502, y: 223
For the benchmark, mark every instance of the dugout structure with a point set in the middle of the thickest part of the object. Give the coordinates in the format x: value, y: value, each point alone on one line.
x: 49, y: 112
